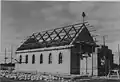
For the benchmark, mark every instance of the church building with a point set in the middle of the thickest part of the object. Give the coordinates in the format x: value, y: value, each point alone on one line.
x: 65, y: 50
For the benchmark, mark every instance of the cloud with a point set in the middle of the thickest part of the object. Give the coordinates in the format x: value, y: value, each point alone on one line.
x: 37, y: 16
x: 107, y: 11
x: 104, y: 16
x: 51, y: 13
x: 54, y: 15
x: 77, y: 8
x: 114, y: 47
x: 6, y: 22
x: 110, y: 28
x: 8, y: 33
x: 53, y: 9
x: 47, y: 11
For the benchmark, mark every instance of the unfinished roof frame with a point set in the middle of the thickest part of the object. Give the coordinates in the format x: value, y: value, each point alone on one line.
x: 54, y: 37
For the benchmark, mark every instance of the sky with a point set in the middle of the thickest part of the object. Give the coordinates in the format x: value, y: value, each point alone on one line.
x: 20, y: 19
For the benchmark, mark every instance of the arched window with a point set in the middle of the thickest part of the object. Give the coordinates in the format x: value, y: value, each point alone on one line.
x: 50, y: 59
x: 26, y: 59
x: 60, y: 60
x: 41, y: 58
x: 33, y: 59
x: 20, y: 59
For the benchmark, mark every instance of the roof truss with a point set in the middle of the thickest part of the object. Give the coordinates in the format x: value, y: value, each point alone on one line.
x: 58, y: 36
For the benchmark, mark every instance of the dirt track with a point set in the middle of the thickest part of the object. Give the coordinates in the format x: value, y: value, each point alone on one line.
x: 92, y: 80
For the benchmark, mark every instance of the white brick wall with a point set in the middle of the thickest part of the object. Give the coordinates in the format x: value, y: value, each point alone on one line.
x: 45, y: 67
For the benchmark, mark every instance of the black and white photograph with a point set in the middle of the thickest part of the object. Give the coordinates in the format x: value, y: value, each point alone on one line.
x: 60, y: 41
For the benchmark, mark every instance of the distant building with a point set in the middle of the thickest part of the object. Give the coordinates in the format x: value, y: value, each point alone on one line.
x: 105, y: 60
x: 7, y: 66
x: 62, y: 50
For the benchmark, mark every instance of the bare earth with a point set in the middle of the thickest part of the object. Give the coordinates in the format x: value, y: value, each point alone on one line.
x: 92, y: 80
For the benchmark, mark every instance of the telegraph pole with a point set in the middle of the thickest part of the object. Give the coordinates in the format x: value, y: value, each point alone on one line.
x: 92, y: 60
x: 104, y: 40
x: 5, y: 56
x: 119, y: 54
x: 104, y: 36
x: 11, y: 53
x: 86, y: 65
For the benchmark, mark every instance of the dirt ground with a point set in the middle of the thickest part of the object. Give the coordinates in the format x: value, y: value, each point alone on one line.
x: 2, y: 79
x: 92, y: 80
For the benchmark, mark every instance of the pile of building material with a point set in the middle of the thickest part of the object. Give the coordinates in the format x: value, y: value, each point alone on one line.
x: 40, y: 76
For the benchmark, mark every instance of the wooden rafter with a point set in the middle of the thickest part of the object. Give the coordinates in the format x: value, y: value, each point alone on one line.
x: 60, y: 36
x: 77, y: 33
x: 57, y: 35
x: 35, y: 38
x: 74, y: 29
x: 67, y: 34
x: 48, y: 36
x: 41, y: 37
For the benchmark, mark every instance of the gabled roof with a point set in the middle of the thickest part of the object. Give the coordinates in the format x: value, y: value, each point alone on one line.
x: 54, y: 37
